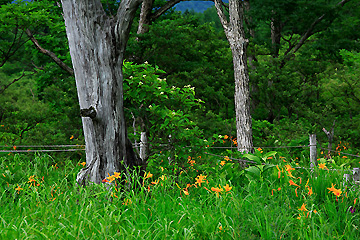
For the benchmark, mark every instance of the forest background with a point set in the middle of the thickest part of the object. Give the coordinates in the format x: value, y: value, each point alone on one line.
x: 318, y: 87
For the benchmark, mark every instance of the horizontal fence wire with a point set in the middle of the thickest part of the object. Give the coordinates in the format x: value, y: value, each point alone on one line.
x: 235, y: 159
x: 40, y: 146
x: 73, y: 148
x: 41, y: 150
x: 248, y: 161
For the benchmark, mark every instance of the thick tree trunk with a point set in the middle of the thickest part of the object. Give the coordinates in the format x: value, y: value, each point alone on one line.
x: 235, y: 34
x: 97, y: 44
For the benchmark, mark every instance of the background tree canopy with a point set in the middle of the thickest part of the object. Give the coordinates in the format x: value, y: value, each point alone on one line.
x: 293, y: 94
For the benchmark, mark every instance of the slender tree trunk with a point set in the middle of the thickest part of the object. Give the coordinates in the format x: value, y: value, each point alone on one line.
x: 235, y: 34
x: 145, y: 14
x: 97, y: 44
x: 276, y: 27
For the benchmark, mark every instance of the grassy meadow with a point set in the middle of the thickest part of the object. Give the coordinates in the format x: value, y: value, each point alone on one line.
x: 207, y: 197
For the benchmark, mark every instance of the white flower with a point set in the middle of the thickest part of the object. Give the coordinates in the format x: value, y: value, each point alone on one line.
x: 144, y: 76
x: 141, y: 83
x: 162, y: 93
x: 150, y: 106
x: 146, y: 62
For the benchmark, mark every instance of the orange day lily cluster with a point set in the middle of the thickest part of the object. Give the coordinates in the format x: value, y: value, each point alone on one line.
x: 296, y: 182
x: 34, y: 183
x: 233, y: 140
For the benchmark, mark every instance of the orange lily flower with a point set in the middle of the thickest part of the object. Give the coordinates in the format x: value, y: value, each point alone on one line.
x: 303, y: 208
x: 200, y: 179
x: 148, y: 175
x: 227, y: 188
x: 117, y: 175
x: 279, y: 172
x: 310, y: 191
x: 337, y: 192
x: 322, y: 166
x: 293, y: 184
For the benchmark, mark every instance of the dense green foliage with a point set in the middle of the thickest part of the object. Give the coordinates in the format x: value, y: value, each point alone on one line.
x: 291, y: 98
x: 289, y: 101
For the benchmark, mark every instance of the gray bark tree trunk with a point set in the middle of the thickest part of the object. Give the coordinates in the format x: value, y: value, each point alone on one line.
x: 145, y: 14
x: 97, y: 43
x: 234, y: 31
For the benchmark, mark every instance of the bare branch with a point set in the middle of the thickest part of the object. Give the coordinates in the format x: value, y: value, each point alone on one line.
x: 309, y: 32
x: 164, y: 8
x: 52, y: 55
x: 220, y: 11
x: 15, y: 45
x: 14, y: 81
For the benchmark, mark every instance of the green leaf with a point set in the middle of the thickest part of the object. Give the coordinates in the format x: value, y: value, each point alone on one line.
x: 252, y: 158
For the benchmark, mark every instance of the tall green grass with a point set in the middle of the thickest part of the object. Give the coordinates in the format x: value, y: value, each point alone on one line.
x: 40, y: 200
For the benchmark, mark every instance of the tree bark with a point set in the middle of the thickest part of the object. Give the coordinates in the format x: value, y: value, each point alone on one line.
x: 234, y: 31
x: 145, y: 14
x: 97, y: 44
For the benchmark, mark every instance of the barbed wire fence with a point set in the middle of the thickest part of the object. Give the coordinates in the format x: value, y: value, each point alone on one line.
x: 353, y: 174
x: 72, y: 148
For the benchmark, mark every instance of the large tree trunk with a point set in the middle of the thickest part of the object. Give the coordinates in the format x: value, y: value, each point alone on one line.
x: 97, y: 44
x: 235, y: 34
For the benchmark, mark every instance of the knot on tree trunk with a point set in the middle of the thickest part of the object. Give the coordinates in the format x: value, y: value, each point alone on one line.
x: 88, y: 112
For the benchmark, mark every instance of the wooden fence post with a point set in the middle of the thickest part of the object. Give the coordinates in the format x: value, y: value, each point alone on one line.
x: 313, y: 154
x: 143, y: 146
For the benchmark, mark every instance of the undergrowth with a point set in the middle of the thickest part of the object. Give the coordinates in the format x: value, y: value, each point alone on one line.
x: 205, y: 198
